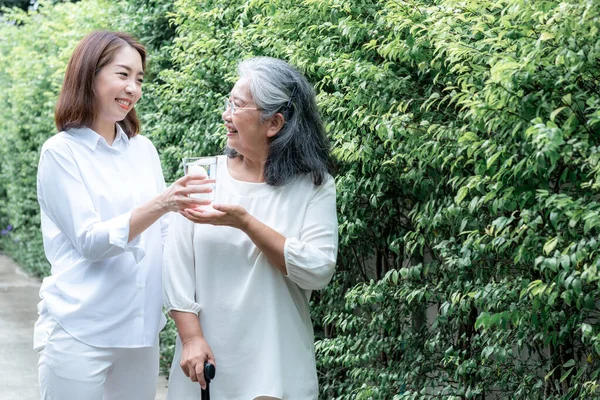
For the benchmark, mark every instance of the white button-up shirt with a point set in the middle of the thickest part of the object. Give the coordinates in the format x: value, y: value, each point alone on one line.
x: 103, y: 291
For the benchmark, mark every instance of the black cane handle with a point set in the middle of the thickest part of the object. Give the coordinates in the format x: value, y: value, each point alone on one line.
x: 209, y: 373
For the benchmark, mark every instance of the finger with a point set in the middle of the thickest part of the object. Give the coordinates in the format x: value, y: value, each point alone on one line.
x: 194, y: 176
x: 197, y: 219
x: 211, y: 359
x: 189, y: 216
x: 184, y: 369
x: 222, y: 207
x: 196, y: 212
x: 200, y: 375
x: 180, y: 180
x: 200, y: 181
x: 204, y: 214
x: 195, y: 189
x: 193, y: 374
x: 193, y: 203
x: 207, y: 211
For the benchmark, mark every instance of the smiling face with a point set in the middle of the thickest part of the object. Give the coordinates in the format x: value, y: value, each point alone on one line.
x: 118, y: 86
x: 246, y: 134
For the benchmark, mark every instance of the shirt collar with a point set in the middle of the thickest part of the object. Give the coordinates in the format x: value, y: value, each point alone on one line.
x: 90, y: 138
x: 121, y: 137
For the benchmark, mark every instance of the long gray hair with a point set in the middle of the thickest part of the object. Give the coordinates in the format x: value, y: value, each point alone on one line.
x: 300, y: 147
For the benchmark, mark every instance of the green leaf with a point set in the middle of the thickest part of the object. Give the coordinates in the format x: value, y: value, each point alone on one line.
x: 492, y: 159
x: 462, y: 193
x: 554, y: 113
x: 546, y: 36
x: 576, y: 286
x: 550, y: 245
x: 566, y: 374
x: 569, y: 363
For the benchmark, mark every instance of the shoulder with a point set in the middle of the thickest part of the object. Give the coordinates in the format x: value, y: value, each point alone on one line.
x: 141, y: 140
x: 304, y: 184
x: 143, y: 143
x: 328, y: 181
x: 59, y: 143
x: 326, y: 188
x: 307, y: 180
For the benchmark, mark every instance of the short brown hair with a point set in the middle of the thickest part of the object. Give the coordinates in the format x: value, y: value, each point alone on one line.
x: 76, y: 106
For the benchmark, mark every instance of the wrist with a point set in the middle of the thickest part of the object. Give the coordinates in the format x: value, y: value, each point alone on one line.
x: 187, y: 339
x: 246, y: 223
x: 161, y: 204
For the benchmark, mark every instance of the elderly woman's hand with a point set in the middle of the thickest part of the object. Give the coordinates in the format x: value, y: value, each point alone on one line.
x: 219, y: 214
x: 194, y: 353
x: 176, y: 197
x: 269, y: 241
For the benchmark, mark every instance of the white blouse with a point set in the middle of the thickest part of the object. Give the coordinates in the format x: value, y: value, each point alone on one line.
x: 103, y: 291
x: 255, y: 318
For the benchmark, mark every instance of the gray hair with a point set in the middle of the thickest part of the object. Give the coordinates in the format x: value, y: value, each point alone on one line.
x: 301, y: 146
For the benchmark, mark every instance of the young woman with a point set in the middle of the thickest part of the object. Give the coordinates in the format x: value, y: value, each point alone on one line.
x: 103, y: 204
x: 238, y: 276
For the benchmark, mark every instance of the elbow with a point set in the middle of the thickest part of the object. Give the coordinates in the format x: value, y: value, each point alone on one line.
x: 91, y: 248
x: 91, y: 254
x: 325, y: 277
x: 87, y: 249
x: 316, y: 278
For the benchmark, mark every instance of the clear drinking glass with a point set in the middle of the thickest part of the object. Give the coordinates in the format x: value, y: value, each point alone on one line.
x: 202, y: 165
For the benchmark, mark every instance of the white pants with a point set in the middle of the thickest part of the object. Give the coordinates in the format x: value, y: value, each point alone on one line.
x: 71, y: 370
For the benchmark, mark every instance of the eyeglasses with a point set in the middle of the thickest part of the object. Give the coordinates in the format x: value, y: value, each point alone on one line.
x: 230, y: 106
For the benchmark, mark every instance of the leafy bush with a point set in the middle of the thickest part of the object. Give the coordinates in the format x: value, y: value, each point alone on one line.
x: 466, y: 134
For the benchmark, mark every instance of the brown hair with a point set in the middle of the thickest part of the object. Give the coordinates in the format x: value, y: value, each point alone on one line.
x: 76, y: 106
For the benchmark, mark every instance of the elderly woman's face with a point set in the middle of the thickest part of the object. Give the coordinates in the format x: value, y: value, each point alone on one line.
x: 246, y: 134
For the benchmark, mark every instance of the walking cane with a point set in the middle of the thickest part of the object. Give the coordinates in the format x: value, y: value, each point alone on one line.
x: 209, y: 373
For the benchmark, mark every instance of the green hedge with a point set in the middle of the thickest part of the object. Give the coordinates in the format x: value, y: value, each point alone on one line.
x: 467, y: 138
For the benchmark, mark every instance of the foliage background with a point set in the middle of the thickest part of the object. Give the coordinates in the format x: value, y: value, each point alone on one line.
x: 467, y: 137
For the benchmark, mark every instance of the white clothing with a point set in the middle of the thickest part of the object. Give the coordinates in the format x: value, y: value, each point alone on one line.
x: 71, y: 370
x: 103, y: 291
x: 255, y: 319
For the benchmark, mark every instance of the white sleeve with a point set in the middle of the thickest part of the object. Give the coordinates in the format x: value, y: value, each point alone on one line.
x: 310, y: 258
x: 179, y: 271
x: 64, y: 197
x: 160, y: 188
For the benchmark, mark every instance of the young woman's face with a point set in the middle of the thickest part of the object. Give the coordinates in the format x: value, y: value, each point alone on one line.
x: 118, y: 85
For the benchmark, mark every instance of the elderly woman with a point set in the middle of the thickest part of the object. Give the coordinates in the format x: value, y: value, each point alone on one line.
x: 238, y: 278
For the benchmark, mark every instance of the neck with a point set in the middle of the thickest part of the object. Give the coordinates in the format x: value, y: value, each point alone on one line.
x: 252, y: 170
x: 106, y: 129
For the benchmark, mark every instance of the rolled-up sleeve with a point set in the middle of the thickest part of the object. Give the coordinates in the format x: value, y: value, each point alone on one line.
x: 61, y: 190
x: 179, y: 277
x: 310, y: 258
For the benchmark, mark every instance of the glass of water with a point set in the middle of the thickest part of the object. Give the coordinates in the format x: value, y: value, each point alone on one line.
x: 203, y: 166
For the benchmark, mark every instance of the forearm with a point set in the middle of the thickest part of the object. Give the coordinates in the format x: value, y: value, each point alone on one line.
x: 268, y: 240
x: 188, y: 325
x: 174, y: 198
x: 145, y: 215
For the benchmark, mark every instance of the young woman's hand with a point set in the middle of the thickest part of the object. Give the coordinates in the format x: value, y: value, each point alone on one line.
x: 176, y: 197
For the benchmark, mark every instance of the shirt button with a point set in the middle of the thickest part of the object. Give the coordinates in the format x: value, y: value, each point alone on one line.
x: 140, y: 285
x: 139, y: 315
